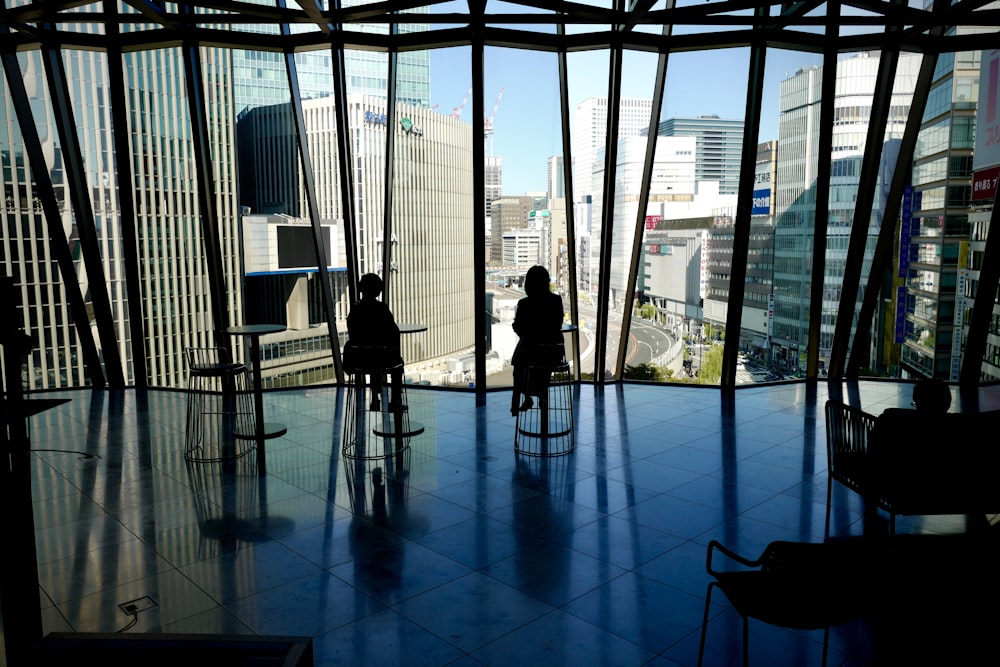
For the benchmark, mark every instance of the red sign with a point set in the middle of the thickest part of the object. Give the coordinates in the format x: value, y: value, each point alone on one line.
x: 984, y: 183
x: 651, y: 221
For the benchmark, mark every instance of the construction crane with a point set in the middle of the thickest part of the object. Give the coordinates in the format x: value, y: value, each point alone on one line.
x: 488, y: 121
x: 457, y: 111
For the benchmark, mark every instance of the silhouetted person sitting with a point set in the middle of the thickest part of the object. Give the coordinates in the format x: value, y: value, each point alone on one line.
x: 373, y: 341
x: 538, y: 325
x: 931, y: 396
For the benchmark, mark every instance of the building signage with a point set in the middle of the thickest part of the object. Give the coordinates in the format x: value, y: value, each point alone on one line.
x: 770, y: 315
x: 375, y: 118
x: 904, y: 232
x: 410, y: 128
x: 900, y: 313
x: 984, y: 184
x: 987, y: 153
x: 651, y: 221
x: 957, y: 335
x: 761, y: 202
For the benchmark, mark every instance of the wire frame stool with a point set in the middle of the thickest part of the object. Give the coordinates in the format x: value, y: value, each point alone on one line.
x: 546, y: 428
x: 220, y: 405
x: 228, y: 502
x: 375, y: 427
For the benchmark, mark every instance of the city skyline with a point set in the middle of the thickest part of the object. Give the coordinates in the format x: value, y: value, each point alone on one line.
x: 526, y: 126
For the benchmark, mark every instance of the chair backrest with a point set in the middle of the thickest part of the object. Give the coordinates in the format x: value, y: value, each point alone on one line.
x: 848, y: 430
x: 201, y: 359
x: 359, y: 357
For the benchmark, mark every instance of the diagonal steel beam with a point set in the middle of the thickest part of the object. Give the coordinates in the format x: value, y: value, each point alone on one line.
x: 901, y: 176
x: 828, y: 95
x: 652, y: 136
x: 58, y: 242
x: 194, y: 83
x: 322, y: 261
x: 567, y: 151
x: 864, y: 204
x: 126, y: 204
x: 744, y: 206
x: 75, y: 170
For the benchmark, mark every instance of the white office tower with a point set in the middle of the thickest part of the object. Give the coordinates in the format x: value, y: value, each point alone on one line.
x: 589, y: 133
x: 432, y: 204
x: 555, y: 179
x: 672, y: 185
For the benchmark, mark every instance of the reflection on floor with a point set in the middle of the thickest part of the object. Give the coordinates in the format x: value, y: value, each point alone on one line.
x: 459, y: 551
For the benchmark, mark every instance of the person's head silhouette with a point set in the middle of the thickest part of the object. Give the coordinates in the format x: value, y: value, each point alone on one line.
x: 931, y: 396
x: 370, y: 286
x: 536, y: 281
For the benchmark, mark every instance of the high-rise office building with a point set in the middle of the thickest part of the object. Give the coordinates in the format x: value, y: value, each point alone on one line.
x: 759, y: 265
x: 939, y: 229
x: 672, y: 182
x: 271, y: 176
x: 795, y: 192
x: 718, y: 147
x: 555, y: 178
x: 432, y: 200
x: 509, y: 213
x: 986, y: 176
x: 259, y: 76
x: 168, y: 224
x: 494, y: 181
x: 590, y: 122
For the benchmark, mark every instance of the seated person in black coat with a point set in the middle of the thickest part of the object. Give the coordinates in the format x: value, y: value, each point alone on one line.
x: 538, y: 325
x: 373, y: 340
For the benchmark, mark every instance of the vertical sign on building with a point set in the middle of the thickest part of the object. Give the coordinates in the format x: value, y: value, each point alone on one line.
x: 770, y: 318
x: 900, y: 313
x: 904, y: 231
x: 705, y: 249
x: 958, y: 334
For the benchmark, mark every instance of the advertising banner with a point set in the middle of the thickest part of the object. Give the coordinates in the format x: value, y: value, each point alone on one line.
x: 761, y: 202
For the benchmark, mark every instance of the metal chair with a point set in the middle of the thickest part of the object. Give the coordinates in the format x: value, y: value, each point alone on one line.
x: 220, y: 410
x: 805, y: 586
x: 546, y: 428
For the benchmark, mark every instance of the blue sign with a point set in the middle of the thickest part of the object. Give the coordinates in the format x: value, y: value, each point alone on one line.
x: 375, y: 118
x: 761, y: 202
x: 905, y: 230
x: 900, y: 313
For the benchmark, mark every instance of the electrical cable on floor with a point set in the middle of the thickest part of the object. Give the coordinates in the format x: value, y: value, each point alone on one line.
x: 135, y: 619
x: 84, y: 455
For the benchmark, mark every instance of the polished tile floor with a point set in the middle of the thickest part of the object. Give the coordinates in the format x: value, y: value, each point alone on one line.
x: 461, y: 552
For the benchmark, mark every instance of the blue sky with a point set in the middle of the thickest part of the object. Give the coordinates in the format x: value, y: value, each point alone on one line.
x: 526, y: 124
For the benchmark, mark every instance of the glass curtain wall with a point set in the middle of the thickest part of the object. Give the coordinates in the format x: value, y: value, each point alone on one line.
x: 158, y: 193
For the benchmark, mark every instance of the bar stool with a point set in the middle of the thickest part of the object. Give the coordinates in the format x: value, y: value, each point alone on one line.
x: 546, y: 428
x: 219, y: 407
x: 374, y: 426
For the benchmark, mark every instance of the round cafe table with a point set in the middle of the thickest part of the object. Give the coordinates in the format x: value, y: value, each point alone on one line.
x: 262, y: 432
x: 409, y: 327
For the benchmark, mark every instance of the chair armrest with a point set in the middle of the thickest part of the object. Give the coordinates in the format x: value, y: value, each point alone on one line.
x: 715, y: 545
